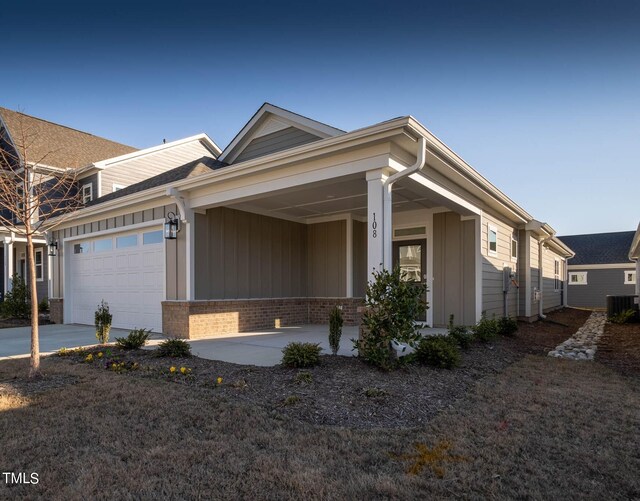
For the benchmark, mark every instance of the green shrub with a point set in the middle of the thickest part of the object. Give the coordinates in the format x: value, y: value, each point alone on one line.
x: 173, y: 348
x: 103, y: 322
x: 438, y: 351
x: 460, y: 334
x: 486, y: 330
x: 507, y: 326
x: 375, y: 393
x: 137, y: 338
x: 623, y: 317
x: 335, y: 329
x: 303, y: 377
x: 392, y: 305
x: 301, y: 354
x: 17, y: 301
x: 43, y: 305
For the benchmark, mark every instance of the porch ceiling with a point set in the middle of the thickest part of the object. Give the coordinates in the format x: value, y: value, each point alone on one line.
x: 348, y: 195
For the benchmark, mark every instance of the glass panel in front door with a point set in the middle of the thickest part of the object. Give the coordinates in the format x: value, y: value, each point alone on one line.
x: 410, y: 261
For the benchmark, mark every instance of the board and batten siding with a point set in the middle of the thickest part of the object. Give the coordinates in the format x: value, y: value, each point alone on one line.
x: 600, y: 284
x: 276, y: 141
x: 246, y: 255
x: 551, y: 297
x: 360, y: 274
x: 138, y: 169
x: 492, y: 270
x: 327, y: 261
x: 453, y: 269
x: 175, y: 249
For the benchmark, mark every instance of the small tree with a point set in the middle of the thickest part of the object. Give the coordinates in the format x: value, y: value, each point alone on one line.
x: 33, y: 195
x: 335, y: 329
x: 392, y: 307
x: 103, y: 319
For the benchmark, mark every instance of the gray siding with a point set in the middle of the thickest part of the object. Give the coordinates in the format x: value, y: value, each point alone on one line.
x: 250, y: 256
x: 600, y: 284
x: 552, y: 296
x: 93, y: 181
x: 276, y: 141
x: 327, y: 261
x: 359, y: 259
x: 453, y: 269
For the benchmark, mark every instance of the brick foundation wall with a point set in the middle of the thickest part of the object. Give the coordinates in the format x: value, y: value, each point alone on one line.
x: 197, y: 319
x: 56, y: 310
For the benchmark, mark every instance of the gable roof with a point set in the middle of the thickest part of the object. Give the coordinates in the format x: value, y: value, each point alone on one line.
x: 270, y: 119
x: 600, y: 248
x: 56, y: 145
x: 191, y: 169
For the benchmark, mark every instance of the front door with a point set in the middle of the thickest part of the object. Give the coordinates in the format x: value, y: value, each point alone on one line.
x: 411, y: 255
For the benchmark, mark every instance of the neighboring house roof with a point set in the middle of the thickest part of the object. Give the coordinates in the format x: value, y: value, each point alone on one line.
x: 600, y: 248
x: 56, y: 145
x: 191, y: 169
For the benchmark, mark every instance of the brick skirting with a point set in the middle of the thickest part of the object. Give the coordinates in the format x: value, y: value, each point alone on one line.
x: 196, y: 319
x: 56, y: 310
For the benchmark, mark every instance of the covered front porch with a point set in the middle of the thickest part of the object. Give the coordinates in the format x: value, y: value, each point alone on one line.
x: 283, y: 253
x: 13, y: 260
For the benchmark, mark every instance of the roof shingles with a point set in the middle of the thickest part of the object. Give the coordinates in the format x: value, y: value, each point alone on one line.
x: 55, y: 145
x: 600, y: 248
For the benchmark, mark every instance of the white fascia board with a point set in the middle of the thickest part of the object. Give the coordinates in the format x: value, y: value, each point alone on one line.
x: 454, y: 160
x: 613, y: 266
x: 323, y: 130
x: 202, y: 137
x: 634, y: 251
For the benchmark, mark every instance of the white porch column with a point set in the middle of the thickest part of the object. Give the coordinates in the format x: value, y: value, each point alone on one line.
x: 190, y: 255
x: 637, y: 276
x: 378, y: 236
x: 8, y: 264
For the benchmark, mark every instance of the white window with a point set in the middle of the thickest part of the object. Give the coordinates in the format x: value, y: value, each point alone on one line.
x: 492, y: 240
x: 577, y: 278
x: 152, y: 237
x: 629, y: 277
x: 117, y: 187
x: 103, y: 245
x: 82, y: 248
x: 126, y: 241
x: 514, y: 249
x: 39, y: 265
x: 556, y: 275
x: 87, y: 193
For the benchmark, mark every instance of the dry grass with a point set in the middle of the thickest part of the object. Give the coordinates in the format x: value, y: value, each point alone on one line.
x: 542, y: 428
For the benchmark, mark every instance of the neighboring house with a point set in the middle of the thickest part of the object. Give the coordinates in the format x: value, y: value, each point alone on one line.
x: 634, y: 254
x: 601, y: 267
x: 293, y: 217
x: 102, y: 167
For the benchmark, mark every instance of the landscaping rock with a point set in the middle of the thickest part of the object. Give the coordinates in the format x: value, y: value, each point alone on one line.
x: 584, y: 343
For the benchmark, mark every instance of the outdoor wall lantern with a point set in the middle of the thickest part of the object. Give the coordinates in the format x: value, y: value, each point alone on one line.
x: 171, y: 227
x: 53, y: 247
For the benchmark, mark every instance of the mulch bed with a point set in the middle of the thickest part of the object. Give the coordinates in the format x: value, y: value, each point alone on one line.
x: 619, y: 348
x: 344, y: 391
x: 22, y: 387
x: 8, y: 323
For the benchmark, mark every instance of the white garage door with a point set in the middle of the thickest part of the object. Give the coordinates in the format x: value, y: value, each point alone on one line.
x: 124, y: 269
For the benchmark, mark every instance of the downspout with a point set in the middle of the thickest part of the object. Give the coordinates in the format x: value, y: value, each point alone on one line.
x: 541, y: 277
x: 387, y: 200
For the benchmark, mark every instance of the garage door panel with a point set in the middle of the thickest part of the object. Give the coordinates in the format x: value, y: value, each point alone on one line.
x: 130, y: 279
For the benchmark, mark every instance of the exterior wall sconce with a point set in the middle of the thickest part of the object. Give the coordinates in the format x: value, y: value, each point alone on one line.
x: 53, y: 247
x: 171, y: 227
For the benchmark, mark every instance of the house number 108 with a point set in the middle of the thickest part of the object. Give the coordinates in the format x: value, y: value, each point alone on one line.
x: 374, y: 226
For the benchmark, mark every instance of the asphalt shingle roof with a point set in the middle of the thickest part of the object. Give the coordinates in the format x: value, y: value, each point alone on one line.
x: 191, y: 169
x: 57, y: 145
x: 600, y: 248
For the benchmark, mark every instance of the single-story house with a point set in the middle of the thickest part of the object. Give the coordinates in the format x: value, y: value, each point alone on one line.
x: 101, y: 167
x: 601, y: 267
x: 291, y: 218
x: 634, y: 255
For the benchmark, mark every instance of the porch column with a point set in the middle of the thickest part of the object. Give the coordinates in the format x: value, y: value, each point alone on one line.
x: 349, y: 256
x: 378, y: 234
x: 8, y: 264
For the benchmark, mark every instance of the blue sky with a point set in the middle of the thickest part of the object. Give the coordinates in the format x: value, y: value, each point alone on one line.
x: 542, y: 98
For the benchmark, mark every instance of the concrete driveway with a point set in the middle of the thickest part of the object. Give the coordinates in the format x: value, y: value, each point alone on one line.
x: 16, y: 342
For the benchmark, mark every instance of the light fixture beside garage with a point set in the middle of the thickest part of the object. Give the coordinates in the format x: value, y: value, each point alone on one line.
x: 171, y: 227
x: 53, y: 247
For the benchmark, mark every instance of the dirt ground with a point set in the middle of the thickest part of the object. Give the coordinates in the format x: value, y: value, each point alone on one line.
x: 516, y: 426
x: 619, y: 348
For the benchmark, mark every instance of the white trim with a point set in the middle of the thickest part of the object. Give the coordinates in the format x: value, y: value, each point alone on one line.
x: 90, y: 196
x: 99, y: 184
x: 408, y: 226
x: 115, y: 187
x: 349, y: 266
x: 621, y: 266
x: 557, y: 263
x: 577, y: 274
x: 35, y: 265
x: 628, y: 273
x: 429, y: 270
x: 514, y: 259
x: 492, y: 228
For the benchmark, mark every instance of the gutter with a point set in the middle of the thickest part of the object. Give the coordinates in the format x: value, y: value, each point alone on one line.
x: 387, y: 202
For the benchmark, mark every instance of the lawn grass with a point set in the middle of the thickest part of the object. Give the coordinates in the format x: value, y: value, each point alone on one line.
x: 542, y: 428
